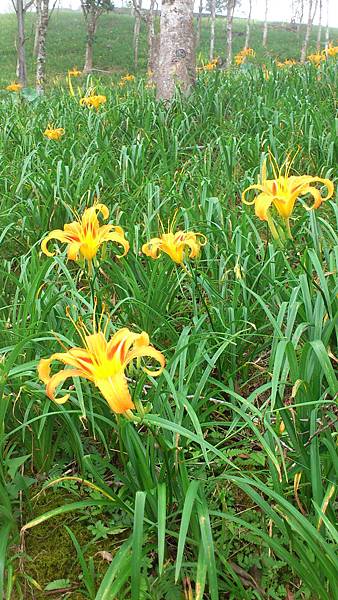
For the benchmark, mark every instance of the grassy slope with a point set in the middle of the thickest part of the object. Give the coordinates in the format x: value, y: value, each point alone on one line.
x: 113, y: 50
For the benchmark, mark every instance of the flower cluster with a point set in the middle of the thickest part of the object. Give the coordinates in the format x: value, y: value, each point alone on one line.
x: 93, y: 101
x: 126, y: 79
x: 210, y: 66
x: 53, y: 133
x: 243, y: 54
x: 14, y: 87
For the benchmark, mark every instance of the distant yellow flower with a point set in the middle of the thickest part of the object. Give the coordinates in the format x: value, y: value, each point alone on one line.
x: 85, y: 236
x: 243, y: 54
x: 283, y: 191
x: 125, y: 78
x: 102, y: 362
x: 331, y: 50
x: 74, y: 72
x: 288, y: 62
x: 14, y: 87
x: 176, y: 245
x: 317, y: 58
x: 54, y: 133
x: 93, y: 101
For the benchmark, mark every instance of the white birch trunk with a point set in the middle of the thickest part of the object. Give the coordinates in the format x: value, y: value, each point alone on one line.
x: 311, y: 14
x: 41, y: 56
x: 230, y: 18
x: 151, y: 35
x: 91, y: 29
x: 136, y: 35
x: 248, y: 25
x: 265, y: 28
x: 319, y: 33
x: 212, y: 29
x: 177, y: 48
x: 36, y: 36
x: 327, y: 31
x: 21, y: 70
x: 199, y: 22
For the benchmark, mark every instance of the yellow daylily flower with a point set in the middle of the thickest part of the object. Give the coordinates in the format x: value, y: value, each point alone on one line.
x: 283, y: 191
x: 331, y: 50
x: 241, y: 56
x: 316, y: 58
x: 176, y: 245
x: 74, y: 72
x: 14, y: 87
x: 54, y: 133
x: 93, y: 101
x: 103, y: 363
x: 85, y: 236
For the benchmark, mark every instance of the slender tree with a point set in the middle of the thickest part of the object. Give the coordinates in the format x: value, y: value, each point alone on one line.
x: 319, y: 33
x: 230, y: 17
x: 38, y: 4
x: 212, y: 28
x: 199, y: 22
x: 152, y: 39
x: 92, y: 10
x: 327, y: 30
x: 177, y: 48
x: 21, y: 7
x: 137, y: 4
x: 311, y: 14
x: 265, y: 28
x: 248, y: 26
x: 41, y: 50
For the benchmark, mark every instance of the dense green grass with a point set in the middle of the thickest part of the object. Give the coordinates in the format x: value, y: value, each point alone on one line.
x: 113, y: 48
x: 227, y: 485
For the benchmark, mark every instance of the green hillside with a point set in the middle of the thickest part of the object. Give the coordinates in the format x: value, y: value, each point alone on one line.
x: 113, y: 50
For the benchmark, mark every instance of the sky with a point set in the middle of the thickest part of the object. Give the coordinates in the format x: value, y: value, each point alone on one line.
x: 279, y: 10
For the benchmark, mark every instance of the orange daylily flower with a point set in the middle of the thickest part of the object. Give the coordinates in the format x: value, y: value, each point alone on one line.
x: 54, y: 133
x: 176, y: 245
x: 102, y: 362
x: 14, y: 87
x: 85, y: 236
x: 283, y: 191
x: 74, y: 72
x: 93, y: 101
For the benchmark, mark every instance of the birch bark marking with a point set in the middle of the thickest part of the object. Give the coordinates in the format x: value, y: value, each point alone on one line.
x: 212, y: 28
x: 41, y: 57
x: 137, y: 27
x: 199, y: 22
x: 151, y: 37
x: 36, y: 37
x: 265, y: 29
x: 230, y: 17
x: 21, y: 8
x: 177, y: 48
x: 91, y: 30
x: 248, y: 26
x: 327, y: 30
x: 311, y: 15
x: 319, y: 34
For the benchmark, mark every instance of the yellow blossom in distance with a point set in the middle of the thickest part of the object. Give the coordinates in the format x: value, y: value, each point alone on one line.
x: 74, y: 72
x: 93, y: 101
x: 316, y: 58
x: 54, y: 133
x: 85, y: 236
x: 282, y: 193
x: 176, y: 245
x: 14, y: 87
x: 103, y: 363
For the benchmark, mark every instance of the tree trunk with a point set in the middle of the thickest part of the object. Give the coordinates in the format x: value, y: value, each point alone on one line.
x: 41, y: 57
x: 21, y: 64
x: 177, y: 48
x: 199, y: 22
x: 137, y: 27
x: 36, y: 37
x: 327, y: 31
x: 230, y: 18
x: 248, y: 24
x: 319, y: 34
x: 91, y: 29
x: 308, y: 29
x: 265, y: 29
x: 212, y: 29
x: 151, y: 35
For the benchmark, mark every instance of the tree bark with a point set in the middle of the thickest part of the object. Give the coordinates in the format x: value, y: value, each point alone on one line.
x: 319, y: 34
x: 21, y: 69
x: 212, y: 28
x: 248, y: 26
x: 177, y: 48
x: 199, y: 22
x: 265, y: 29
x: 230, y: 17
x: 91, y: 30
x: 151, y: 35
x: 311, y: 14
x: 327, y: 31
x: 41, y: 56
x: 36, y: 37
x: 137, y: 27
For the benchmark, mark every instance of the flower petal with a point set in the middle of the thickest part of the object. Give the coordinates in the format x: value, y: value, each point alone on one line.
x: 56, y: 380
x: 257, y: 186
x: 57, y: 234
x: 141, y: 351
x: 115, y: 390
x: 152, y: 248
x: 119, y: 239
x: 262, y: 204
